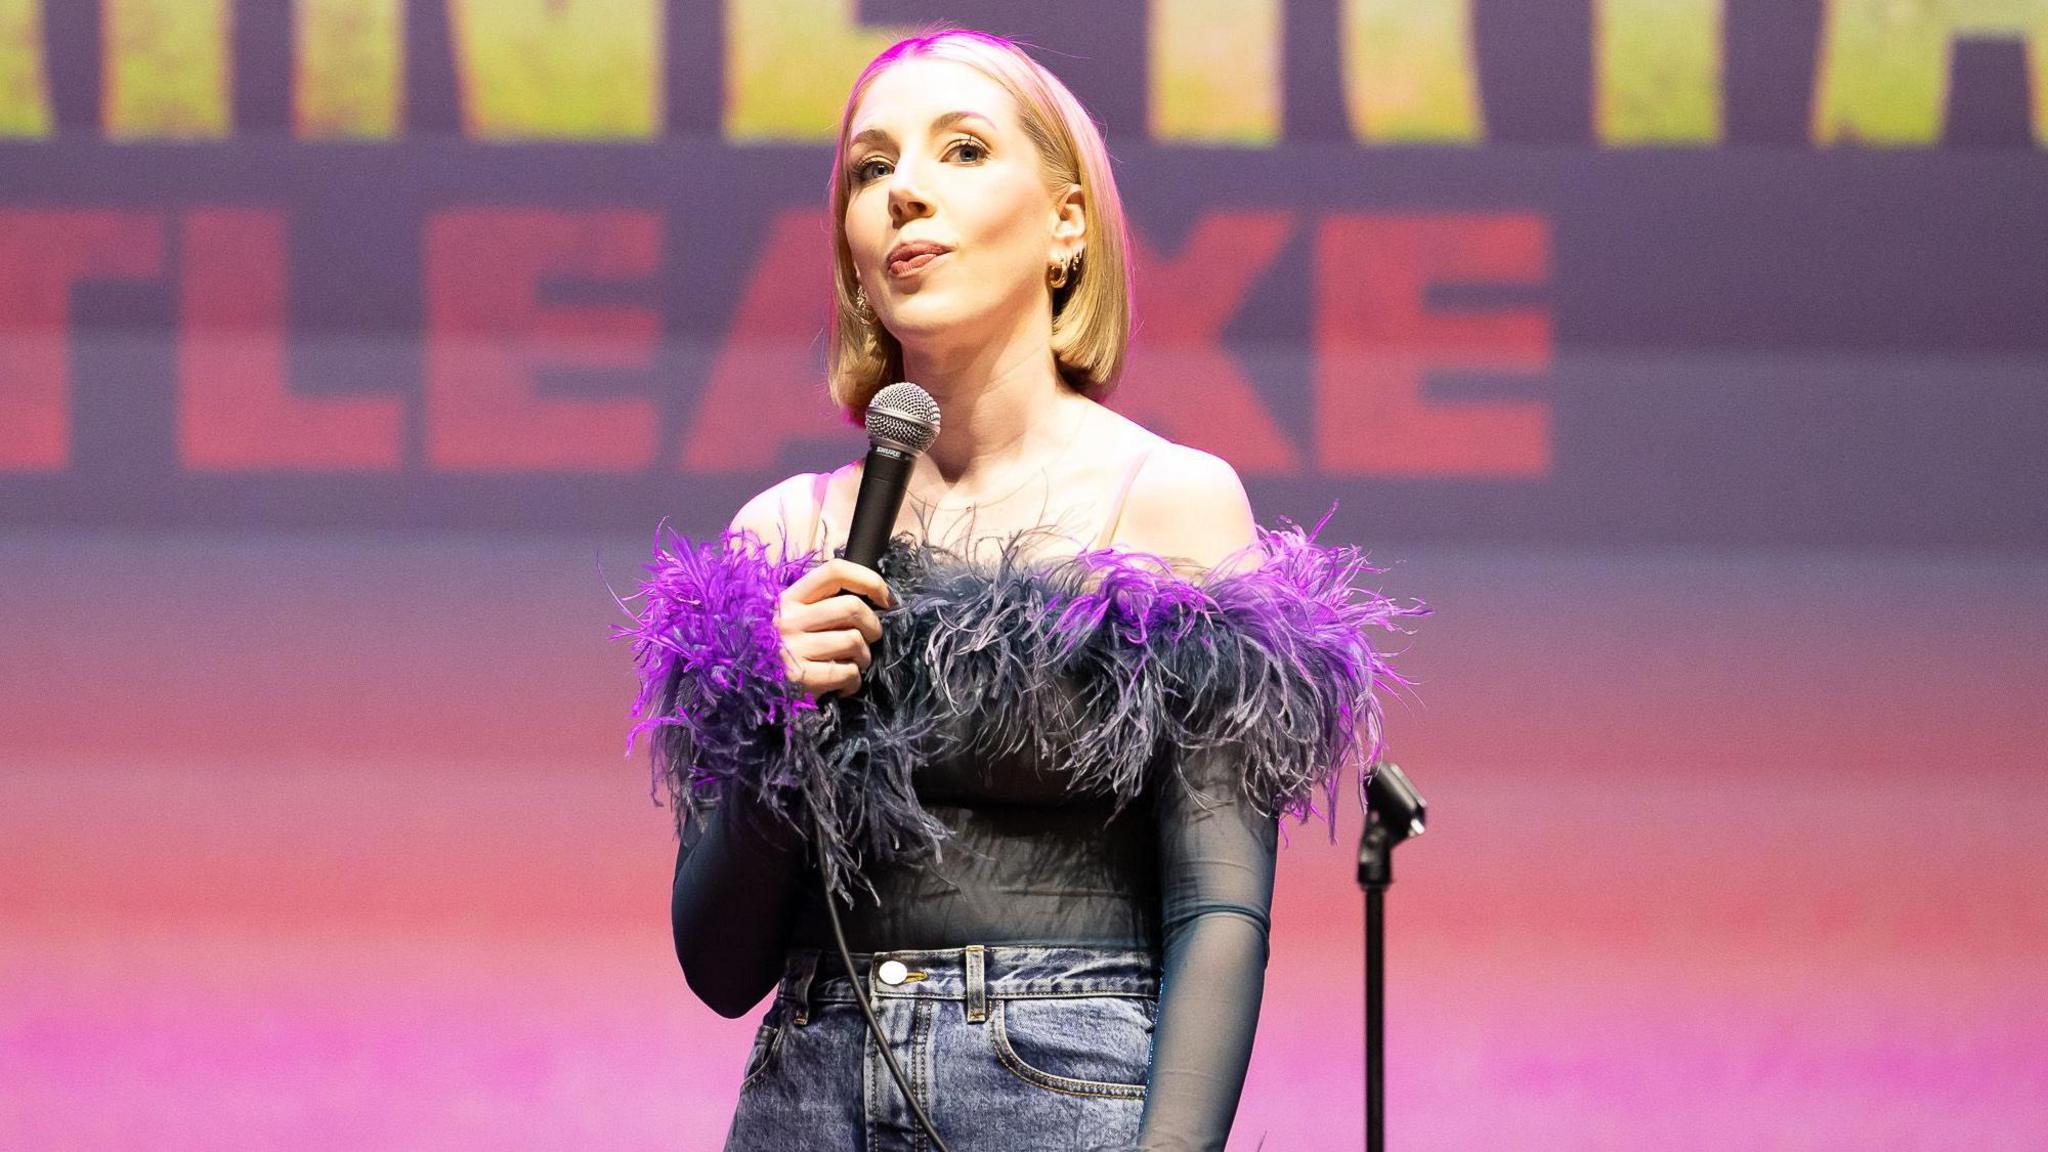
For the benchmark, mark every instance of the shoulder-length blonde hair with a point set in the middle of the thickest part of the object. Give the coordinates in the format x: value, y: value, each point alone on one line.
x: 1091, y: 314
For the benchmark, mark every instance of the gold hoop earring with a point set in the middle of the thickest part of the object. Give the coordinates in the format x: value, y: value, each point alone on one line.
x: 1058, y: 274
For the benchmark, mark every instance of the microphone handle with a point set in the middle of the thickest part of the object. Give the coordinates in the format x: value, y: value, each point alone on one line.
x: 883, y: 481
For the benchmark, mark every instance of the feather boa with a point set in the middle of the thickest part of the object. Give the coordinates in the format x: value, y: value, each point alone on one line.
x: 1267, y: 651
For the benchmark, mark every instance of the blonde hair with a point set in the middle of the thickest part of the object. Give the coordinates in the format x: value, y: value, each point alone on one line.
x: 1091, y: 319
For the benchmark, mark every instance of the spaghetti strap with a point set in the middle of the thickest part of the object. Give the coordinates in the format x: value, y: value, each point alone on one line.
x: 1123, y: 491
x: 818, y: 487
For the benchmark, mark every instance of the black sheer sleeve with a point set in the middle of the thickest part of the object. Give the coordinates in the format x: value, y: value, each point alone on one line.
x: 1216, y: 861
x: 730, y: 908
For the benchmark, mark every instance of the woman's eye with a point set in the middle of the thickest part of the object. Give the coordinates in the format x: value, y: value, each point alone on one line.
x: 865, y: 170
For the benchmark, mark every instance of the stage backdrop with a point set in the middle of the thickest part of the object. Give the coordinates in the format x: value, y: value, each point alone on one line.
x: 1586, y: 270
x: 1687, y: 356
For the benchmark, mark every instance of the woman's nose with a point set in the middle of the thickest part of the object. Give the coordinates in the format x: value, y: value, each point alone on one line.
x: 906, y: 200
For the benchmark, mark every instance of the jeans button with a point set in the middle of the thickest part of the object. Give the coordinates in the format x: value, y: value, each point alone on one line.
x: 892, y: 972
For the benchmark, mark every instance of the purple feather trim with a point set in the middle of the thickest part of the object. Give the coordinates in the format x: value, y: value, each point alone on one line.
x: 731, y: 726
x: 1111, y: 665
x: 713, y: 687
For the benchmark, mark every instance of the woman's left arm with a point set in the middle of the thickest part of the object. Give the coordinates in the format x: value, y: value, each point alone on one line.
x: 1216, y: 862
x: 1290, y: 705
x: 1216, y: 852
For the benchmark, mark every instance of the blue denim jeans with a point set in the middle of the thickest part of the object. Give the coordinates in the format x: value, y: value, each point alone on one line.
x: 1010, y: 1048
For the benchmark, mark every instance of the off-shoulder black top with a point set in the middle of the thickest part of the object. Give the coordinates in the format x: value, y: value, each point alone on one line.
x: 1093, y: 751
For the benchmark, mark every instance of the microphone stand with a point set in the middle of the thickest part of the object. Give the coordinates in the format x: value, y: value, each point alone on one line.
x: 1393, y: 813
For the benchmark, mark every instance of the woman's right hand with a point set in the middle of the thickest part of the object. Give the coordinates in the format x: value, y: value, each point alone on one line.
x: 826, y: 627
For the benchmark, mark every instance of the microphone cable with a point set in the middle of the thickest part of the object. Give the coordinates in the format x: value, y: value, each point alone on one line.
x: 860, y: 995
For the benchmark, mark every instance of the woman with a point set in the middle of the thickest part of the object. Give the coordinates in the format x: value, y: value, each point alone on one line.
x: 1052, y: 764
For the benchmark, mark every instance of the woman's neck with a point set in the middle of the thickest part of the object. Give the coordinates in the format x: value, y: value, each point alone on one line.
x: 999, y: 419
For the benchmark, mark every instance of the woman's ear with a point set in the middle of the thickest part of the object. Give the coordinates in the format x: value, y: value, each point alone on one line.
x: 1070, y: 222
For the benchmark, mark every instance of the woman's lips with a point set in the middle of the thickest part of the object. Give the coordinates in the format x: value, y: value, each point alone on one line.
x: 913, y: 264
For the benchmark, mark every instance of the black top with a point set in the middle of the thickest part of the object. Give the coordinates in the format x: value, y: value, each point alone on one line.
x: 1094, y: 753
x: 1193, y: 882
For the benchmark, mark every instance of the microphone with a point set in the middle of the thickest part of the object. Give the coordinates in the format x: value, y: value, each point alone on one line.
x: 902, y: 422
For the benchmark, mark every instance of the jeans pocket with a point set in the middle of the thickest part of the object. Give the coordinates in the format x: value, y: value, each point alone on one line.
x: 762, y: 1056
x: 1079, y: 1045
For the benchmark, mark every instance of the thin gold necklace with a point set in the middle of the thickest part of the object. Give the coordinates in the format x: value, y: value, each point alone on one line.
x: 1073, y: 438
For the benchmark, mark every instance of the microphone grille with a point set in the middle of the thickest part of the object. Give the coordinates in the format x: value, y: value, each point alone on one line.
x: 904, y: 414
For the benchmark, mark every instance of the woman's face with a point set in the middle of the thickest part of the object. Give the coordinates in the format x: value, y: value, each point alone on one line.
x: 974, y: 185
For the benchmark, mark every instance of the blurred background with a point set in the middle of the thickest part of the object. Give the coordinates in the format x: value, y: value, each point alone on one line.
x: 1689, y: 357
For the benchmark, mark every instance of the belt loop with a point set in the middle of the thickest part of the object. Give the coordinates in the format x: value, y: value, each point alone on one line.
x: 800, y: 985
x: 977, y: 984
